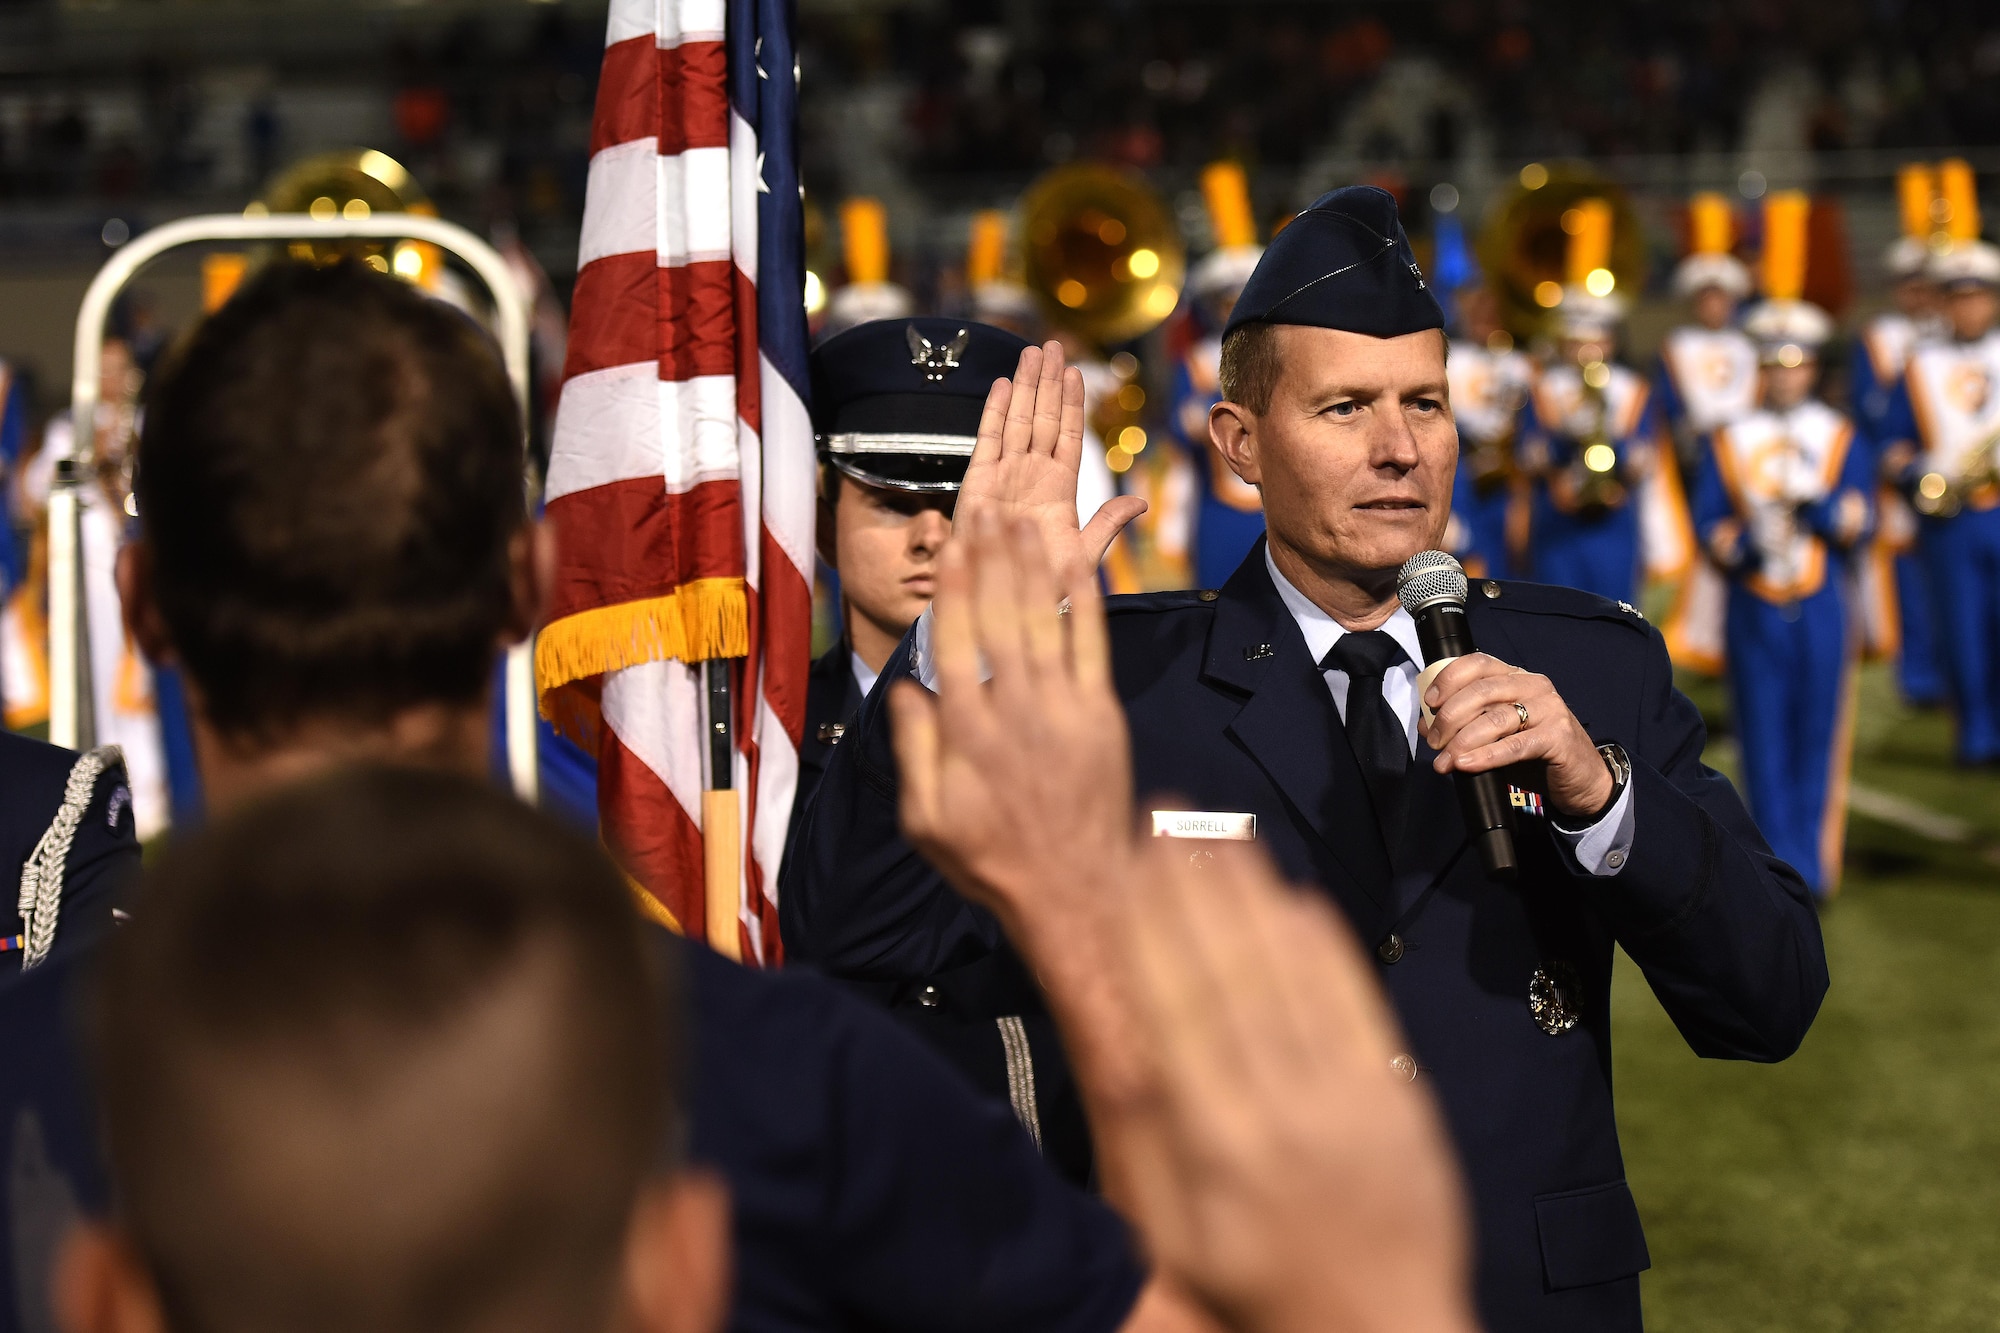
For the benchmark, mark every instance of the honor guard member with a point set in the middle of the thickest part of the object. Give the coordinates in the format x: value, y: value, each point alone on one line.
x: 1707, y: 375
x: 1782, y: 500
x: 896, y: 406
x: 1940, y: 435
x: 1283, y: 708
x: 1881, y: 354
x: 1586, y: 441
x: 1490, y: 380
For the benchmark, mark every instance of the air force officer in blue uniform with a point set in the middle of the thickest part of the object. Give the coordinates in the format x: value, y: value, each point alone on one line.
x: 1283, y: 706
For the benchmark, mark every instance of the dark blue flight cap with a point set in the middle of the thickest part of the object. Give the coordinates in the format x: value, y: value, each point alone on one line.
x: 896, y: 402
x: 1344, y: 263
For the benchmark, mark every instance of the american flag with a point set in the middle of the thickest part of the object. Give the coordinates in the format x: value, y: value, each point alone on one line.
x: 681, y: 473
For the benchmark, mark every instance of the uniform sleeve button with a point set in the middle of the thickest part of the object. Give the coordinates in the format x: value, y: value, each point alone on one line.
x: 1390, y: 950
x: 928, y: 997
x: 1405, y: 1067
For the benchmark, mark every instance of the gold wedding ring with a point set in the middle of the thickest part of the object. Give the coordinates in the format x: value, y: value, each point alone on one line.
x: 1522, y: 709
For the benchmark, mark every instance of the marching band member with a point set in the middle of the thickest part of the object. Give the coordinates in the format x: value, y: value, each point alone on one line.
x: 1230, y: 516
x: 1781, y: 502
x: 1587, y: 444
x: 24, y: 668
x: 1490, y: 380
x: 868, y: 293
x: 1707, y: 375
x: 123, y: 697
x: 1941, y: 430
x: 1893, y: 581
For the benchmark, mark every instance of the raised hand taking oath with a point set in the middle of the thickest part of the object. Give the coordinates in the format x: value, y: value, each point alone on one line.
x: 1029, y: 453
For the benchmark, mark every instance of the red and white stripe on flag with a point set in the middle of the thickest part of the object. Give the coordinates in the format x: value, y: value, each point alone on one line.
x: 680, y: 482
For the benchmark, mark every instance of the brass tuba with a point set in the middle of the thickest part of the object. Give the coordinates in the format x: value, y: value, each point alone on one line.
x: 1101, y: 252
x: 1524, y: 244
x: 353, y: 183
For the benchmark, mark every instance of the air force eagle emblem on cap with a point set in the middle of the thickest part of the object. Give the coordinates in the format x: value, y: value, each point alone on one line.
x: 937, y: 362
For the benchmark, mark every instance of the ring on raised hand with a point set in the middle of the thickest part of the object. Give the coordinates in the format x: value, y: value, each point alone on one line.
x: 1522, y: 709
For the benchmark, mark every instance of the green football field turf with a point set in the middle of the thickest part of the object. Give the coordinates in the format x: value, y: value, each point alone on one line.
x: 1857, y: 1185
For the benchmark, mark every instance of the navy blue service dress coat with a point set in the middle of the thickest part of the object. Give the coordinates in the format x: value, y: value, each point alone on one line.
x: 956, y: 1012
x: 1503, y: 990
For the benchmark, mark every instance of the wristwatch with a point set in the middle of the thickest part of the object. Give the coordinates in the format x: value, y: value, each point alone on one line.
x: 1620, y: 765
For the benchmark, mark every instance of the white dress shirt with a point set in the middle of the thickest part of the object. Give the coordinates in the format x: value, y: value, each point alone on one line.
x: 865, y: 677
x: 1600, y: 850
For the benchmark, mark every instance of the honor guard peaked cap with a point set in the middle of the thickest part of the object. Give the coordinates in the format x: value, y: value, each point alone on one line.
x: 896, y: 402
x: 1344, y: 263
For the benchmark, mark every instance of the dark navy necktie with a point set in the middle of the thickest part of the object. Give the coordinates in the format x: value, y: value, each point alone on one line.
x: 1380, y: 742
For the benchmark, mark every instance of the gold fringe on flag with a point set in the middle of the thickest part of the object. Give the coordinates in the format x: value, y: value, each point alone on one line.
x: 652, y: 908
x: 701, y: 619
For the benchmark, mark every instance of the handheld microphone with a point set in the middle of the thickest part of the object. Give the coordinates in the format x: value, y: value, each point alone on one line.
x: 1432, y: 588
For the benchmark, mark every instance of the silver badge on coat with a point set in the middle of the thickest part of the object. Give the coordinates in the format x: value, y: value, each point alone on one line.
x: 1555, y: 998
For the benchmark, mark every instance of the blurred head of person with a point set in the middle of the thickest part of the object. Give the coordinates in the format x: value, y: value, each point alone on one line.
x: 1789, y: 335
x: 1479, y: 314
x: 1712, y: 284
x: 387, y: 1051
x: 1968, y: 273
x: 1911, y: 290
x: 334, y: 543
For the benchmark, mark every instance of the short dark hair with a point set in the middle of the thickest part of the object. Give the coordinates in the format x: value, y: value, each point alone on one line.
x: 386, y: 1050
x: 329, y: 481
x: 1250, y: 364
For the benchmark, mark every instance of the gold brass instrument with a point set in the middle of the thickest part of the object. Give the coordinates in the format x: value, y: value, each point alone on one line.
x: 1940, y: 496
x: 1492, y: 464
x: 1524, y: 243
x: 1101, y: 251
x: 1592, y: 484
x: 353, y: 183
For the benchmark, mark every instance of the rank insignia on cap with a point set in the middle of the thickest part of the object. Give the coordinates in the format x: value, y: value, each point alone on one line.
x: 937, y: 361
x: 896, y: 403
x: 1528, y: 802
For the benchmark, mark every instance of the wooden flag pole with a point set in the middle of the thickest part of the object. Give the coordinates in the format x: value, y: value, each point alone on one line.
x: 721, y: 821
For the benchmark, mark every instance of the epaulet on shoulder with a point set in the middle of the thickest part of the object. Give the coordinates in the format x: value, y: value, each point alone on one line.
x: 1145, y: 603
x: 1547, y: 599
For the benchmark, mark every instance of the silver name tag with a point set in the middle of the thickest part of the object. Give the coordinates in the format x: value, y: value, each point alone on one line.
x: 1222, y: 825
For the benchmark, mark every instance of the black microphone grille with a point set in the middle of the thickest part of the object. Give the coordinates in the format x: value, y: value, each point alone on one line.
x: 1430, y: 577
